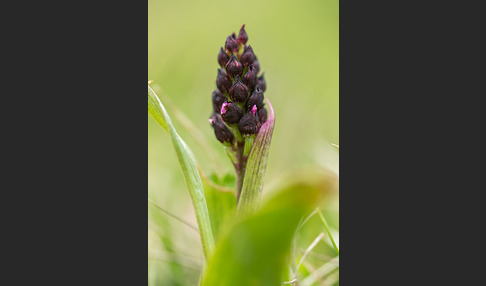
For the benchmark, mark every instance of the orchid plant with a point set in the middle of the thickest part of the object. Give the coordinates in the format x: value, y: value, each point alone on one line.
x: 244, y: 233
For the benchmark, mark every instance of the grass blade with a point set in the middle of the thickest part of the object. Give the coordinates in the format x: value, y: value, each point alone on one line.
x: 309, y: 249
x: 321, y: 272
x: 173, y: 216
x: 328, y: 232
x: 190, y: 170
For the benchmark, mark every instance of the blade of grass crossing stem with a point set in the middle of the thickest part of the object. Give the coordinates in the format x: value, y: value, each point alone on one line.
x: 173, y: 216
x: 328, y: 231
x: 255, y: 168
x: 191, y: 174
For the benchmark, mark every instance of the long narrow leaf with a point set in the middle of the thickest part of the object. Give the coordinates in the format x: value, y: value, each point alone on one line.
x: 257, y: 164
x: 189, y: 168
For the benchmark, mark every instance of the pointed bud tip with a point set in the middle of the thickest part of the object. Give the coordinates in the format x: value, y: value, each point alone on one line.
x: 242, y: 36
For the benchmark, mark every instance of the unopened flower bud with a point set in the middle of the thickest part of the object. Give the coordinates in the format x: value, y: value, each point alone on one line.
x: 231, y: 112
x: 262, y: 115
x: 239, y: 91
x: 248, y: 124
x: 250, y: 78
x: 248, y: 57
x: 256, y: 98
x: 256, y: 64
x: 222, y: 58
x: 261, y: 83
x: 254, y: 111
x: 234, y: 67
x: 242, y: 36
x: 215, y: 117
x: 222, y: 81
x: 231, y: 45
x: 223, y: 134
x: 218, y: 100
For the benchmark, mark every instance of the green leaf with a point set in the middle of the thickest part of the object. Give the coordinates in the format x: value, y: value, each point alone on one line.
x: 255, y: 249
x: 256, y: 166
x: 190, y: 170
x: 221, y: 200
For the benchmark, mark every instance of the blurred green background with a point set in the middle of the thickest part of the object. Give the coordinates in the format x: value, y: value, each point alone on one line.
x: 297, y: 44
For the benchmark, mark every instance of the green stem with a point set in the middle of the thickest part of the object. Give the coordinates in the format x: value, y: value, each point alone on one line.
x: 230, y: 151
x: 248, y: 143
x: 240, y: 169
x: 328, y: 232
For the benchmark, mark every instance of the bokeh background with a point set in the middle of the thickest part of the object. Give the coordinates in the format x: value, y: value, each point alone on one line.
x: 297, y: 44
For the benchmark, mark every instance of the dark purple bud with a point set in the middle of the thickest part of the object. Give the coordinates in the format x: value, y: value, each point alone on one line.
x: 261, y: 83
x: 250, y: 78
x: 262, y: 115
x: 223, y: 134
x: 256, y: 64
x: 234, y: 67
x: 256, y: 98
x: 218, y: 100
x: 233, y: 35
x: 231, y: 112
x: 254, y: 110
x: 242, y: 36
x: 248, y: 57
x: 231, y: 45
x: 213, y: 119
x: 248, y: 124
x: 222, y: 81
x: 222, y: 58
x: 238, y: 92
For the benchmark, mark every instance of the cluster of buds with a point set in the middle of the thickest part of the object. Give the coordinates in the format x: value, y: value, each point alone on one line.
x: 238, y: 101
